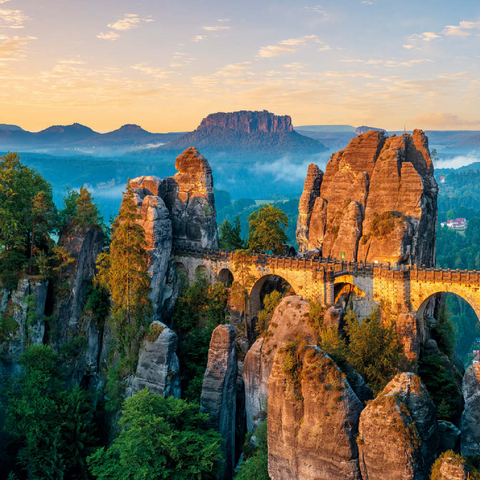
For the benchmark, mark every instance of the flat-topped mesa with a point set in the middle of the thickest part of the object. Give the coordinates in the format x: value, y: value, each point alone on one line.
x: 248, y: 122
x: 377, y: 202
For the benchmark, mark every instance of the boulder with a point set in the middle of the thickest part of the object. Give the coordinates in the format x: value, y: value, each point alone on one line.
x: 313, y: 416
x: 410, y: 335
x: 291, y: 318
x: 450, y: 467
x: 219, y: 392
x: 398, y: 436
x: 158, y: 367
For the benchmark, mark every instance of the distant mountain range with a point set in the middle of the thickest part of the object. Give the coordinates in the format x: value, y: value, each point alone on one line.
x: 246, y: 132
x: 78, y: 137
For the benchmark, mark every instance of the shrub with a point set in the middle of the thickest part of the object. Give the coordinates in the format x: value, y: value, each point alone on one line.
x: 255, y: 464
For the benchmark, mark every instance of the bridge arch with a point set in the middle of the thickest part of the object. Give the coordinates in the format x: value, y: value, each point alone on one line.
x: 202, y: 272
x: 257, y: 291
x: 225, y: 276
x: 421, y: 300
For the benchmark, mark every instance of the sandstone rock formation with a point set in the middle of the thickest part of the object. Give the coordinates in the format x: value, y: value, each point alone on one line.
x: 377, y: 202
x: 449, y: 436
x: 410, y: 335
x: 398, y: 435
x: 246, y: 132
x: 158, y: 367
x: 470, y: 422
x: 313, y: 416
x: 158, y: 235
x: 450, y: 467
x: 289, y: 320
x: 219, y: 391
x: 190, y: 200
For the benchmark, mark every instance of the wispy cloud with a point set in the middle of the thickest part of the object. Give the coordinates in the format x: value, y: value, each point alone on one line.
x: 199, y: 38
x: 129, y: 21
x: 223, y: 20
x: 426, y: 36
x: 112, y: 36
x: 153, y: 71
x: 12, y: 48
x: 215, y: 28
x: 290, y: 45
x: 12, y: 18
x: 463, y: 29
x: 443, y: 120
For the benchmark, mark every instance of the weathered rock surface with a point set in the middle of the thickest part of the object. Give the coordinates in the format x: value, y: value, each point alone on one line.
x: 219, y: 391
x: 398, y: 436
x: 189, y: 198
x: 311, y: 191
x: 449, y: 436
x: 312, y: 422
x: 359, y: 212
x: 470, y: 422
x: 410, y: 335
x: 289, y: 320
x: 71, y: 289
x: 158, y: 235
x: 158, y: 367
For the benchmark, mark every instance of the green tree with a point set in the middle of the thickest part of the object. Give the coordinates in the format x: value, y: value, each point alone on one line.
x: 267, y: 227
x: 270, y: 303
x: 230, y: 235
x: 87, y: 213
x: 124, y: 272
x: 27, y: 212
x: 50, y: 423
x: 161, y: 438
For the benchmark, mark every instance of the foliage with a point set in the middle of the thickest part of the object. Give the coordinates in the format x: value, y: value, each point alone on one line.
x: 453, y: 459
x: 124, y: 273
x: 161, y: 438
x: 267, y: 227
x: 79, y: 210
x: 50, y: 423
x: 28, y: 216
x: 255, y: 466
x: 98, y: 302
x: 243, y: 279
x: 383, y: 224
x: 293, y: 364
x: 8, y: 326
x: 440, y: 385
x: 374, y: 349
x: 230, y: 238
x: 153, y: 332
x: 270, y: 303
x: 199, y: 310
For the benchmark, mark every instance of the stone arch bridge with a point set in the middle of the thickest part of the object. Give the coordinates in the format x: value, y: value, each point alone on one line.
x: 406, y: 288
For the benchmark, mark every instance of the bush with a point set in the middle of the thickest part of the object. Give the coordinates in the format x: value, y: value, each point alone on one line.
x: 161, y: 438
x: 270, y: 303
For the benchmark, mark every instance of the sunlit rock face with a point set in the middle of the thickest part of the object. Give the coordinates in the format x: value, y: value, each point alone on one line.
x: 190, y: 200
x: 398, y: 433
x: 470, y: 423
x: 312, y: 421
x: 377, y: 202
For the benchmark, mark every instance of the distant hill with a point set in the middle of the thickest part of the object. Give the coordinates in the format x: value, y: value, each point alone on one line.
x: 246, y: 132
x: 77, y: 137
x: 12, y: 128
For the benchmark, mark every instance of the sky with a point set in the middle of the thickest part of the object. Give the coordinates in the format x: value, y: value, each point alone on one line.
x: 166, y: 64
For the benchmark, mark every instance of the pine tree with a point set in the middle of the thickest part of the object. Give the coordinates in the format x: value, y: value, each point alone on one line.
x: 125, y: 272
x: 230, y: 235
x: 87, y: 213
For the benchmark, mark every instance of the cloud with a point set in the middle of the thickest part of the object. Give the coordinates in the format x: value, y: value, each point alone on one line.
x: 215, y: 28
x: 12, y: 48
x: 233, y: 70
x: 409, y: 47
x: 223, y: 20
x: 426, y: 36
x: 199, y: 38
x: 12, y: 18
x: 112, y: 36
x: 129, y: 21
x: 153, y: 71
x: 463, y: 29
x: 4, y: 1
x: 457, y: 162
x: 388, y: 63
x: 71, y: 61
x: 317, y: 9
x: 443, y: 120
x: 290, y: 45
x: 283, y: 170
